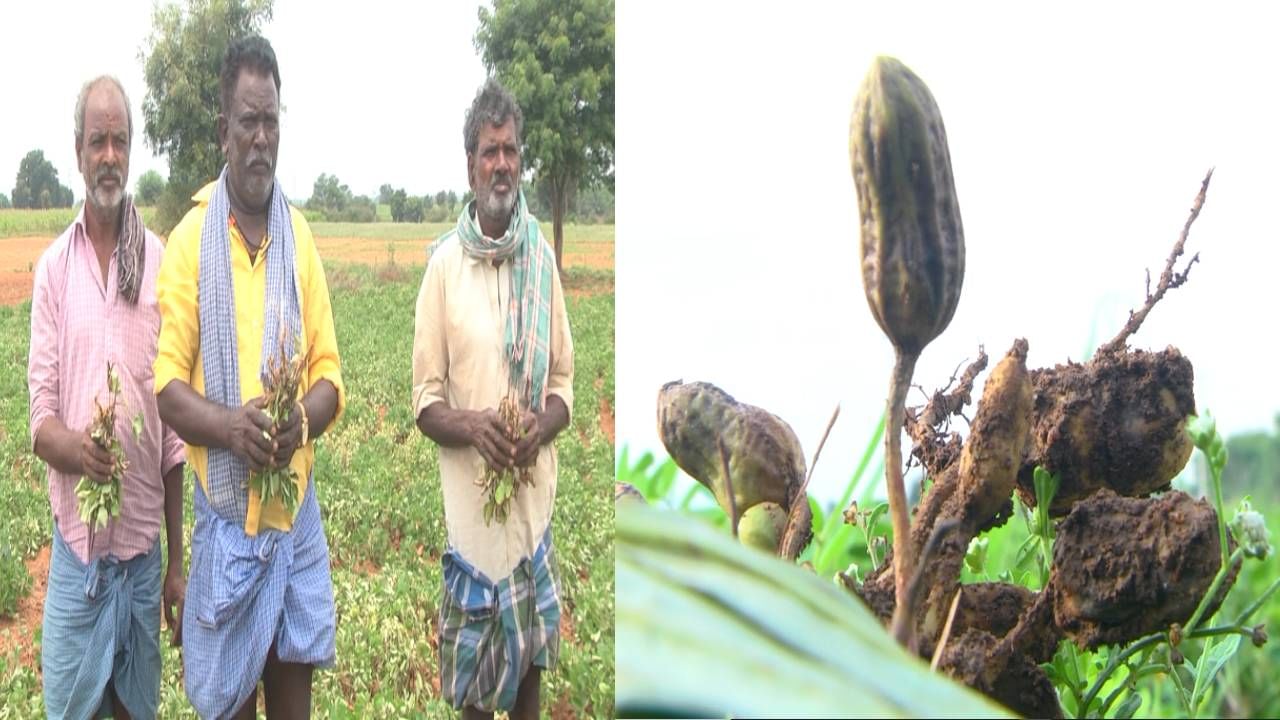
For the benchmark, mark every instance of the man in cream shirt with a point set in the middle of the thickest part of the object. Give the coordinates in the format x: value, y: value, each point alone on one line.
x: 491, y: 323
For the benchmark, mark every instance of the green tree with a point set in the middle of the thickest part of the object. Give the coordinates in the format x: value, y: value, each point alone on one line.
x: 329, y: 195
x: 397, y: 202
x: 37, y: 184
x: 182, y: 60
x: 384, y: 194
x: 413, y: 210
x: 556, y: 57
x: 4, y: 201
x: 149, y: 188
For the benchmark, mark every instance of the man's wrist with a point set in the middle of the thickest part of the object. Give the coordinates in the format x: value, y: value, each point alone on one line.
x: 306, y: 428
x: 543, y: 426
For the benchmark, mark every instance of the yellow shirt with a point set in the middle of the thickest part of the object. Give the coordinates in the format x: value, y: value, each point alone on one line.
x: 179, y: 356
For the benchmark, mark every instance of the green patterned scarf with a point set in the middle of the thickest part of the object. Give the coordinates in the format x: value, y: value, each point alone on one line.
x: 527, y: 337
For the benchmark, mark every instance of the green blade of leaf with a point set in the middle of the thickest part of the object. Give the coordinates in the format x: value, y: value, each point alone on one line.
x: 708, y: 627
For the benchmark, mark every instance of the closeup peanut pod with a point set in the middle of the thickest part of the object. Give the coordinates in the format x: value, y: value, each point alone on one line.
x: 991, y: 458
x: 766, y: 462
x: 912, y: 237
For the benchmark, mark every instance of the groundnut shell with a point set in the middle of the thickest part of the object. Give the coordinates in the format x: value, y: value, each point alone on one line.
x: 912, y: 237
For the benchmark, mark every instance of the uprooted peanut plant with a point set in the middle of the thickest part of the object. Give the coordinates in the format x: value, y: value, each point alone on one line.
x: 1127, y: 563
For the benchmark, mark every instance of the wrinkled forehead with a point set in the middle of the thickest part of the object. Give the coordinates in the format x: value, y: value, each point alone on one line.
x: 104, y: 109
x: 501, y: 134
x: 255, y: 92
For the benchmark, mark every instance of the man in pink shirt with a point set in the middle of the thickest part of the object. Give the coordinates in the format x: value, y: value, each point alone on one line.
x: 94, y: 303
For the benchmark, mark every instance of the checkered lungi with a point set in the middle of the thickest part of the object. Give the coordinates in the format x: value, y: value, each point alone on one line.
x: 245, y: 594
x: 101, y: 624
x: 491, y: 634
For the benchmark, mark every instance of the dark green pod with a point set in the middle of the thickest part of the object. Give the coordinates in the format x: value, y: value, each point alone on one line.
x: 912, y: 237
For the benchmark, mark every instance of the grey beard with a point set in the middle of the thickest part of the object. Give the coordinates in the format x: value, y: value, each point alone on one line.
x: 105, y: 201
x: 492, y: 207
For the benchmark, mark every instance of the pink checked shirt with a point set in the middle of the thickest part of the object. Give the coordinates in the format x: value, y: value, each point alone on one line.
x: 79, y: 323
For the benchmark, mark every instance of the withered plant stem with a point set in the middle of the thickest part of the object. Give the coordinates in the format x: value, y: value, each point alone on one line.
x: 946, y: 630
x: 797, y: 525
x: 728, y: 483
x: 1168, y: 279
x: 899, y: 383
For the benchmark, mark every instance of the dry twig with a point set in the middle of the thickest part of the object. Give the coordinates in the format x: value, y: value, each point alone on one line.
x: 1168, y: 279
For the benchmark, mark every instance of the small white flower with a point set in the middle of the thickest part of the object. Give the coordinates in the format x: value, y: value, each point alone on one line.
x: 1250, y: 530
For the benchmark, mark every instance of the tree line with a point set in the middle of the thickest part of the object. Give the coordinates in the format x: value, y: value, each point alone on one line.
x: 555, y: 56
x: 333, y: 201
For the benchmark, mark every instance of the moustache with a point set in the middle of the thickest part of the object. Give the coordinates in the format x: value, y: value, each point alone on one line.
x: 107, y: 172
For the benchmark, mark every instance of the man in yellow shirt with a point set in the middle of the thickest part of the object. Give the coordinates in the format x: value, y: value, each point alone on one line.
x: 240, y: 275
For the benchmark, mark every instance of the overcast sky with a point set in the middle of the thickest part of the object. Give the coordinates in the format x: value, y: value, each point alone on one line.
x: 1079, y: 134
x: 374, y: 91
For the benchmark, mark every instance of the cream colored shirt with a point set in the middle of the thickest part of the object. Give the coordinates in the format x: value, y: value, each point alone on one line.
x: 458, y: 359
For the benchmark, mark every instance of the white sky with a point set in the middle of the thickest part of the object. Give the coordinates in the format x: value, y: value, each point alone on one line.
x: 374, y: 92
x: 1079, y: 135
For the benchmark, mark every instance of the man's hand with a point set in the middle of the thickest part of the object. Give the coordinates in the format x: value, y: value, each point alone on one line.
x: 530, y: 439
x: 489, y: 437
x: 94, y: 459
x: 249, y: 434
x: 174, y: 595
x: 288, y: 436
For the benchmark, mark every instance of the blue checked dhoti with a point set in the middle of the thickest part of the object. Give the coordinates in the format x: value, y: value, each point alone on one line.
x: 245, y: 594
x: 101, y: 624
x: 491, y: 634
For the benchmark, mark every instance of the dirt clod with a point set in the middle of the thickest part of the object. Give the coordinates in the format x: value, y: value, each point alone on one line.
x: 1117, y: 421
x: 1125, y: 567
x: 1019, y: 684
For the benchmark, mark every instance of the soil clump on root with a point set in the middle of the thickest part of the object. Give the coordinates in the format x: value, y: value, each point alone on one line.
x: 1115, y: 422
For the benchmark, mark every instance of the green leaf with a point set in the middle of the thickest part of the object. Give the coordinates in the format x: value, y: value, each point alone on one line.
x: 708, y: 627
x: 1202, y: 429
x: 1211, y: 661
x: 868, y: 453
x: 1129, y: 705
x: 663, y: 479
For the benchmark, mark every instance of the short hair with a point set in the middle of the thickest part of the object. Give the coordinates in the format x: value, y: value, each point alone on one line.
x: 83, y: 98
x: 253, y: 52
x: 493, y: 105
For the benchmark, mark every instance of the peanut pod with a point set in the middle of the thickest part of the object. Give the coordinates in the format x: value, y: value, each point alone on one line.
x: 912, y: 237
x: 766, y: 462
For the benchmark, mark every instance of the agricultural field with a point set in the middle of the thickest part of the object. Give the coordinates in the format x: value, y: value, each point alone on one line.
x: 376, y: 478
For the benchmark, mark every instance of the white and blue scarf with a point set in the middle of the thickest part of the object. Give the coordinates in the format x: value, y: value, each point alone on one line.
x: 228, y: 474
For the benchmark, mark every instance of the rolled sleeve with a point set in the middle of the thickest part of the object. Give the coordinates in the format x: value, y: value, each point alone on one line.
x: 324, y: 363
x: 42, y: 361
x: 430, y: 348
x: 560, y: 374
x: 177, y: 294
x: 173, y: 451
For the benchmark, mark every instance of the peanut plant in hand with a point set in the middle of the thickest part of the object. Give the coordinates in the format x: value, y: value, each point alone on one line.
x: 100, y: 502
x: 281, y: 383
x: 502, y: 486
